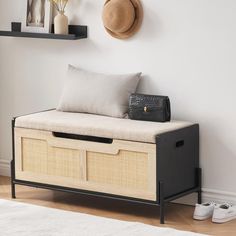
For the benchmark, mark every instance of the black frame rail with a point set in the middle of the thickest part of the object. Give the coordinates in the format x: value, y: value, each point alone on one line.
x: 76, y: 32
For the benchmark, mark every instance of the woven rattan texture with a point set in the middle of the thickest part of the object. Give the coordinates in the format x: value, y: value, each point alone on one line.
x: 126, y: 169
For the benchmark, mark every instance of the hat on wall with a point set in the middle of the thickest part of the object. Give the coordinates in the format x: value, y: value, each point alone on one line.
x: 122, y: 18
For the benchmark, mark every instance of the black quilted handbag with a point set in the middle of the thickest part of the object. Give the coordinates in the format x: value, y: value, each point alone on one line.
x: 149, y: 107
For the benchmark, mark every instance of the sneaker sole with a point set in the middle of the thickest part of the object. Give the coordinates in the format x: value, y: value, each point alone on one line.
x: 196, y: 217
x: 220, y: 221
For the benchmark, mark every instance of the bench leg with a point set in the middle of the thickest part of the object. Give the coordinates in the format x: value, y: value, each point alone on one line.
x: 13, y: 190
x: 199, y: 193
x: 13, y: 186
x: 162, y: 203
x: 199, y: 197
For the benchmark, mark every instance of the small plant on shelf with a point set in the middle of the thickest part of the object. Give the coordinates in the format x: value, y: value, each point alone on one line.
x: 60, y: 20
x: 60, y: 5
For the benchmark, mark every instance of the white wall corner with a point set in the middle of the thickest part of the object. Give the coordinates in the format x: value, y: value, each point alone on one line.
x: 5, y: 169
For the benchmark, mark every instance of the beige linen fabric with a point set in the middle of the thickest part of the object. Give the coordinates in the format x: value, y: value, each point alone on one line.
x: 100, y: 126
x: 96, y: 93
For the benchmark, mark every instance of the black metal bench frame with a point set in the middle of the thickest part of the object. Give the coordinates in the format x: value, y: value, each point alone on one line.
x: 178, y: 172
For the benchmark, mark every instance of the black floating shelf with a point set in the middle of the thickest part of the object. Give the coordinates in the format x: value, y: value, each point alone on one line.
x: 75, y: 32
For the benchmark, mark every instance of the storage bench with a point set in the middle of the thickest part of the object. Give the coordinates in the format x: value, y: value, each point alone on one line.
x: 138, y: 161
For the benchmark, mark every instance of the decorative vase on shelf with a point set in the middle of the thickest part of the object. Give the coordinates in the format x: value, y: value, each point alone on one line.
x: 61, y: 23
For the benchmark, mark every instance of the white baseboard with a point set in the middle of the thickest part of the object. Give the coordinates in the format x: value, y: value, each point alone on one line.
x: 219, y: 196
x: 207, y: 194
x: 187, y: 200
x: 5, y: 169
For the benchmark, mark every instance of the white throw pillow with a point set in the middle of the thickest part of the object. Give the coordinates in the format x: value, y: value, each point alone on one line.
x: 102, y: 94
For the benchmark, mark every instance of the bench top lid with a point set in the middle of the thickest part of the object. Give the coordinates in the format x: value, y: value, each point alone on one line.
x: 99, y: 126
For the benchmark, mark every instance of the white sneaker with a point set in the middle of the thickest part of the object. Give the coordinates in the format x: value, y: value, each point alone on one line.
x: 224, y: 213
x: 204, y: 211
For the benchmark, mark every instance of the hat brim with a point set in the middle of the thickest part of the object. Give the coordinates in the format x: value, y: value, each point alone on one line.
x: 136, y: 25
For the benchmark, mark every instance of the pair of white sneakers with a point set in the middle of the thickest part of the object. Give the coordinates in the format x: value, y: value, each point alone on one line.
x: 220, y: 213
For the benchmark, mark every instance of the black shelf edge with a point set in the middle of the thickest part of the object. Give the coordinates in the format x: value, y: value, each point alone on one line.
x: 75, y: 32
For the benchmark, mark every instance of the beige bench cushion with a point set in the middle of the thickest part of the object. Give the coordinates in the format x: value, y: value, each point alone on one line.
x: 96, y: 125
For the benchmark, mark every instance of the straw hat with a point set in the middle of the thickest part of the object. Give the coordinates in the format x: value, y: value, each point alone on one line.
x: 122, y: 18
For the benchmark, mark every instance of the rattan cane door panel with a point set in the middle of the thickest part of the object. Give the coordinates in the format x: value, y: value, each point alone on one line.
x: 38, y: 157
x: 126, y: 169
x: 121, y: 168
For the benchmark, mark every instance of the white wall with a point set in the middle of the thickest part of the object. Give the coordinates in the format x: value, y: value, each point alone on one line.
x: 186, y: 49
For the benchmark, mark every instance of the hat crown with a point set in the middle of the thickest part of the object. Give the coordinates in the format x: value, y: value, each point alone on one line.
x: 118, y: 15
x: 122, y: 18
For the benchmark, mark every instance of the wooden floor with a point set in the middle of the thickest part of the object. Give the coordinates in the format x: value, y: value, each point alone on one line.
x: 177, y: 216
